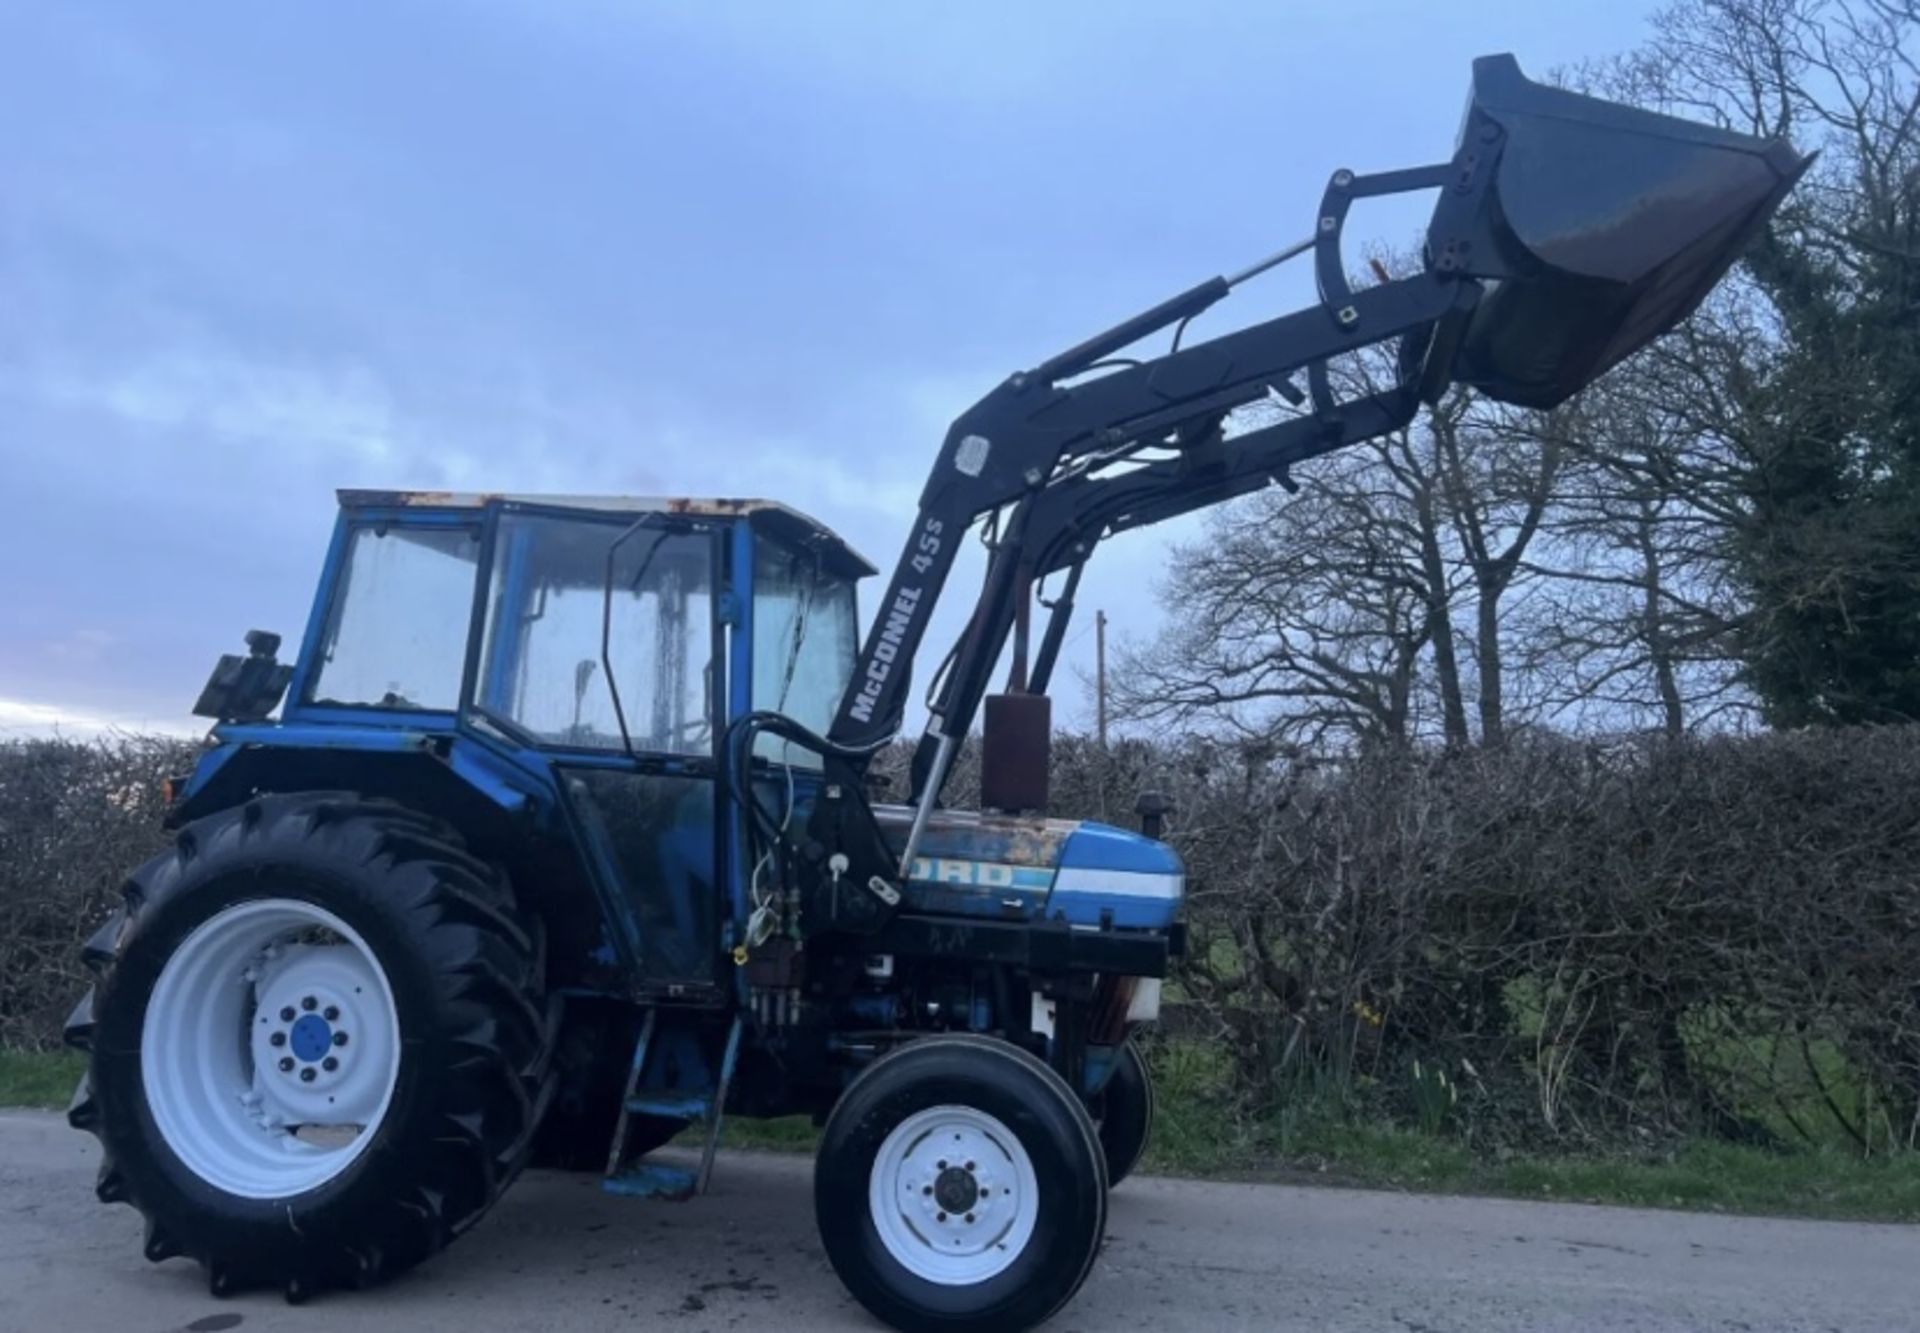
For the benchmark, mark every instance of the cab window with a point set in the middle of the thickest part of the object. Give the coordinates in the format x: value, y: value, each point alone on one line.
x: 803, y: 643
x: 541, y: 666
x: 396, y: 633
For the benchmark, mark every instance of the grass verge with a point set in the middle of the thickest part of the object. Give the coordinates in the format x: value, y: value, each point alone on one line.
x: 43, y: 1080
x: 1313, y: 1144
x: 1702, y: 1176
x: 1190, y: 1139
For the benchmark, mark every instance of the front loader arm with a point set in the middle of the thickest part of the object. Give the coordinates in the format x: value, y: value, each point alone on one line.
x: 1058, y: 528
x: 1568, y: 232
x: 1035, y: 448
x: 1019, y: 444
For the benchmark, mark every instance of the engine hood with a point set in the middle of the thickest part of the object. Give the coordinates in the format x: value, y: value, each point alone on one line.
x: 1029, y: 868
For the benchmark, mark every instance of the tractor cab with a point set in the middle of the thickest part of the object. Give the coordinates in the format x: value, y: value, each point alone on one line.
x: 586, y: 656
x: 576, y: 624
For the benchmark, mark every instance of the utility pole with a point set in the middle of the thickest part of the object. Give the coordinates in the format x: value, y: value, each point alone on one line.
x: 1100, y: 674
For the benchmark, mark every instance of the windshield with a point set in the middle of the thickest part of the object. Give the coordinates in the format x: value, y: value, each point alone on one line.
x: 803, y: 643
x: 540, y: 664
x: 396, y: 633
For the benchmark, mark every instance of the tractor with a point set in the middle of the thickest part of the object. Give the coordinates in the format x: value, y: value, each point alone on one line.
x: 561, y: 834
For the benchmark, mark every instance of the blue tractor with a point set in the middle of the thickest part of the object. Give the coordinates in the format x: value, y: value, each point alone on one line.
x: 560, y: 835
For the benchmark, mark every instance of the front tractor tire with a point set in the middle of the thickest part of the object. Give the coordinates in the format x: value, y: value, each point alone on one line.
x: 960, y: 1186
x: 317, y: 1045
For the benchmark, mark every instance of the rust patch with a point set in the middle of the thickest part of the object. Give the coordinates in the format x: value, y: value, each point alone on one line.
x: 1018, y: 840
x: 1029, y: 839
x: 418, y: 499
x: 718, y: 506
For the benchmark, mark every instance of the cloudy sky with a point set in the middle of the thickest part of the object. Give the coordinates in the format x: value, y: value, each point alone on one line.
x: 249, y: 253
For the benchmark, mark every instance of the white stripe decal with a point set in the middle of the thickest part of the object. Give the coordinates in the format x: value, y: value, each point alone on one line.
x: 1119, y: 884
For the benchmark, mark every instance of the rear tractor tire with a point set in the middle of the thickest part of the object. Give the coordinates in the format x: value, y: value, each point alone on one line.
x: 1124, y: 1112
x: 960, y: 1186
x: 318, y: 1048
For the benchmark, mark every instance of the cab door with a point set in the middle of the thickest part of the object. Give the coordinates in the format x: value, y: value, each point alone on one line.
x: 601, y: 647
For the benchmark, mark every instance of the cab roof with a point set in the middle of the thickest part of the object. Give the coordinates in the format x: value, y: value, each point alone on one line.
x: 776, y: 519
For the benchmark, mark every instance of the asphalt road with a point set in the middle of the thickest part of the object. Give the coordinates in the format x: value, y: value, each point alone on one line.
x: 560, y: 1255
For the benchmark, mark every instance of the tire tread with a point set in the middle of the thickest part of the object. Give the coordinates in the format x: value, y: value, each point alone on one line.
x: 486, y: 967
x: 850, y: 1110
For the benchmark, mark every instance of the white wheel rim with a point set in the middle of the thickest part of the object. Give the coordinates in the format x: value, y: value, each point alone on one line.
x: 953, y: 1195
x: 252, y: 1101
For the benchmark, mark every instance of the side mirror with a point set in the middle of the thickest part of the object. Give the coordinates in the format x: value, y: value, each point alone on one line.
x: 246, y: 689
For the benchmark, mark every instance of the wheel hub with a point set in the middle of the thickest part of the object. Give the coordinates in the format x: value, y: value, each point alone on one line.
x: 312, y: 1038
x: 315, y: 1054
x: 270, y: 1048
x: 954, y: 1195
x: 955, y: 1189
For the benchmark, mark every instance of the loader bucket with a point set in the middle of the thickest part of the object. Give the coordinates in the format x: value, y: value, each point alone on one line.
x: 1605, y: 225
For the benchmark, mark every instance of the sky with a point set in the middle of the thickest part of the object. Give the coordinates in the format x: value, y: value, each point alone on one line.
x: 250, y: 253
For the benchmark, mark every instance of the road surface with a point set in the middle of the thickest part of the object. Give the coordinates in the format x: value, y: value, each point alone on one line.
x: 560, y: 1255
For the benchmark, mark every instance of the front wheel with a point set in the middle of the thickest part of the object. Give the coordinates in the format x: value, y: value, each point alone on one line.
x: 960, y: 1186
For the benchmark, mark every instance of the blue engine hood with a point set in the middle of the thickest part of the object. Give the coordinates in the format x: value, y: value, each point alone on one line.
x: 1026, y: 868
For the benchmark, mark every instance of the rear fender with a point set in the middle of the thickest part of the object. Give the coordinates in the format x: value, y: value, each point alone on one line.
x: 506, y: 811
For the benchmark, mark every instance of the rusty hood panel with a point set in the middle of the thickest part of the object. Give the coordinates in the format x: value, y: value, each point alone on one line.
x: 1024, y: 867
x: 1020, y: 840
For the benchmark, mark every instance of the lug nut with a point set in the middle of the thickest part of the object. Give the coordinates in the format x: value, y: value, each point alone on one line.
x: 277, y: 1039
x: 307, y: 1075
x: 286, y: 1014
x: 309, y: 1004
x: 329, y: 1064
x: 330, y: 1013
x: 286, y: 1064
x: 941, y: 1218
x: 926, y: 1189
x: 969, y: 1217
x: 971, y: 1167
x: 940, y: 1166
x: 339, y: 1039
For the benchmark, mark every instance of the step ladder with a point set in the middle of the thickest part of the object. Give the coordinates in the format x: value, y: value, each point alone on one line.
x: 642, y: 1178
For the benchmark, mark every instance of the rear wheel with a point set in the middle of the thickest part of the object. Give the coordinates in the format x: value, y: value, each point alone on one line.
x: 1124, y: 1111
x: 318, y: 1047
x: 960, y: 1186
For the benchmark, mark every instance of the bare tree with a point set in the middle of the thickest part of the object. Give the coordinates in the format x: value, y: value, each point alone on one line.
x: 1635, y: 618
x: 1299, y: 616
x: 1332, y: 613
x: 1501, y: 468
